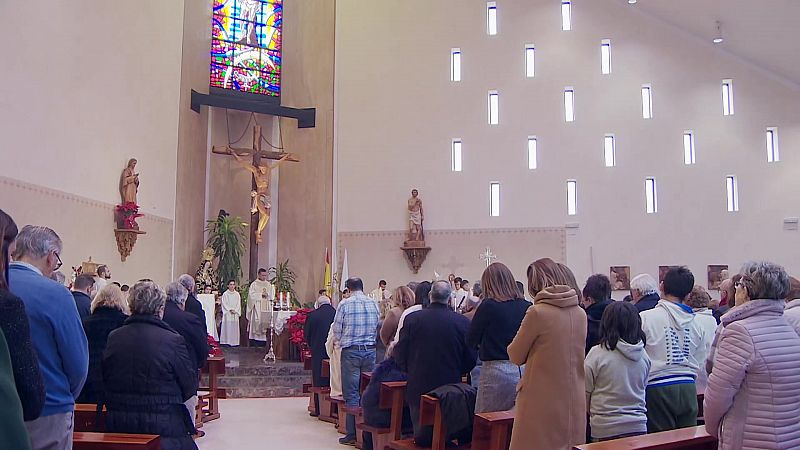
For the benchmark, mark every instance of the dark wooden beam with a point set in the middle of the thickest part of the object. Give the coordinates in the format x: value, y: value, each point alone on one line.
x: 306, y: 117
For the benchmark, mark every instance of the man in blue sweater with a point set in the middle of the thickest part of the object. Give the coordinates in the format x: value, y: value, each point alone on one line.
x: 56, y: 332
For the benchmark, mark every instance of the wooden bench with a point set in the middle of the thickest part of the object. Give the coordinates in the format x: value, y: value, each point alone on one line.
x: 492, y: 431
x: 430, y: 413
x: 692, y: 438
x: 115, y: 441
x: 391, y: 397
x: 215, y: 366
x: 337, y: 403
x: 327, y: 412
x: 87, y: 419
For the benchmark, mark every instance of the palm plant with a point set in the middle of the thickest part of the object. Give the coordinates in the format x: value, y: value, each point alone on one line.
x: 226, y: 235
x: 283, y: 278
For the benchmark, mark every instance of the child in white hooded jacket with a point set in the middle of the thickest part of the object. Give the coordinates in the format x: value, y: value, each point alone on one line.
x: 616, y: 375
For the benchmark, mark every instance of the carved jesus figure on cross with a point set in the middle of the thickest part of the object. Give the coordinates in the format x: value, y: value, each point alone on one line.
x: 261, y: 199
x: 262, y: 173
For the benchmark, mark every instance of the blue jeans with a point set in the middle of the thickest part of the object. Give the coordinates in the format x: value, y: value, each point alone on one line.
x: 355, y: 360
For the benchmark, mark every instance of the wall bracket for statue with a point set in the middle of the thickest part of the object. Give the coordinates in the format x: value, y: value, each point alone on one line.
x: 126, y: 239
x: 416, y: 255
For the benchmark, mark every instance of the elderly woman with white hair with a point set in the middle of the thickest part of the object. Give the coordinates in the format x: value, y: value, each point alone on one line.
x: 644, y: 292
x: 754, y: 388
x: 148, y: 374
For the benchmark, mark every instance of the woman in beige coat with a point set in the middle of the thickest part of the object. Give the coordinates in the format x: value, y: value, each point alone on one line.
x: 551, y: 399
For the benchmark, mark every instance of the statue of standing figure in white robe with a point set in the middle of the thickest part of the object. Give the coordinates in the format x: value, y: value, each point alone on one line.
x: 259, y: 298
x: 231, y: 312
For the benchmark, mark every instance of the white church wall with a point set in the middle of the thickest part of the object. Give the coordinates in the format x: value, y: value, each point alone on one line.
x: 398, y: 112
x: 82, y: 89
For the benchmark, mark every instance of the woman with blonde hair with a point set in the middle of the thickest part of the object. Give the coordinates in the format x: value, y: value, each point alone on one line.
x: 402, y: 299
x: 551, y: 400
x: 109, y: 311
x: 493, y: 326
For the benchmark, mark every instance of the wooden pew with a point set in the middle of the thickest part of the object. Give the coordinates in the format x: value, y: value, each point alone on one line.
x: 492, y: 431
x: 215, y: 366
x: 87, y: 419
x: 115, y: 441
x: 337, y: 403
x: 692, y: 438
x: 430, y: 413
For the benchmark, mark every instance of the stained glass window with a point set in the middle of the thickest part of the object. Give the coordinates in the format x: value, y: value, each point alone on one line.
x: 246, y: 46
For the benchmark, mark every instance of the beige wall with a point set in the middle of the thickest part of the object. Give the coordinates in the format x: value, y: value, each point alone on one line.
x: 397, y: 112
x: 86, y: 228
x: 306, y: 198
x: 192, y: 132
x: 376, y: 255
x: 84, y: 87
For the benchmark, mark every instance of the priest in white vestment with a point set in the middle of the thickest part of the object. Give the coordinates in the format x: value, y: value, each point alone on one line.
x: 231, y: 312
x: 259, y: 296
x: 377, y: 294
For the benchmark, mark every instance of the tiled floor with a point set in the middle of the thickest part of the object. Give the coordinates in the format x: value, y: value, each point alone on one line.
x: 269, y: 424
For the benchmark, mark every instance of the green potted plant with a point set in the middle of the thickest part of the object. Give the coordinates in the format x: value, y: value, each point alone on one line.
x: 226, y: 236
x: 283, y: 278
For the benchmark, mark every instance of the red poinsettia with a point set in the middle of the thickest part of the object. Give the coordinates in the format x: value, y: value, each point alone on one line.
x: 213, y: 347
x: 127, y: 213
x: 295, y: 325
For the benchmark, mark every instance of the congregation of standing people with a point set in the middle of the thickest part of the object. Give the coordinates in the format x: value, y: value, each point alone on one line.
x: 574, y: 364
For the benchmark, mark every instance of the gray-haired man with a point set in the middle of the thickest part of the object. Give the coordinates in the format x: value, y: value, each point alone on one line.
x: 192, y: 304
x: 56, y: 332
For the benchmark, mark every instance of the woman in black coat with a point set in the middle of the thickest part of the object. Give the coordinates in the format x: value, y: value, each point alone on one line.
x: 148, y: 374
x: 109, y: 311
x: 14, y: 325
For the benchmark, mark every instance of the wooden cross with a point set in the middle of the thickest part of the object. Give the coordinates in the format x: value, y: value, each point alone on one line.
x: 257, y: 154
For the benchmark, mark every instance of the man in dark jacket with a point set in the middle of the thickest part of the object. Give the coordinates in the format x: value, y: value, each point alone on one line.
x: 186, y: 324
x: 596, y: 296
x: 82, y: 290
x: 433, y: 351
x: 644, y: 292
x: 318, y: 323
x: 193, y: 305
x: 148, y: 374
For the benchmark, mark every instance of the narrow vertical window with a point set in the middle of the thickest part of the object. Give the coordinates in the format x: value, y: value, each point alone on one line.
x: 609, y: 150
x: 647, y: 101
x: 688, y: 147
x: 651, y: 195
x: 772, y: 145
x: 572, y: 197
x: 455, y: 64
x: 494, y: 106
x: 494, y: 199
x: 566, y: 15
x: 532, y: 149
x: 727, y: 97
x: 530, y: 60
x: 491, y: 18
x: 455, y: 150
x: 733, y: 193
x: 605, y: 56
x: 569, y: 104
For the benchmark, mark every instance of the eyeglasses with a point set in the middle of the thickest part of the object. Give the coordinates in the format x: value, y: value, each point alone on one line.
x: 58, y: 266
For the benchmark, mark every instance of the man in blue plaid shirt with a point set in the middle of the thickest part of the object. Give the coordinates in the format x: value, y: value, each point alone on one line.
x: 355, y: 332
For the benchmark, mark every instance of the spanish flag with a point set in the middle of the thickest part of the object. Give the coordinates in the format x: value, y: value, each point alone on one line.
x: 328, y: 286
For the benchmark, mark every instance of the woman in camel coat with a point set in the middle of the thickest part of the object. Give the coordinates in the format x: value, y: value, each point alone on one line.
x: 551, y: 398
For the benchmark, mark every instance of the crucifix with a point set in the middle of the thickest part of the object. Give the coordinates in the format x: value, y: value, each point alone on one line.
x: 487, y: 256
x: 262, y: 171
